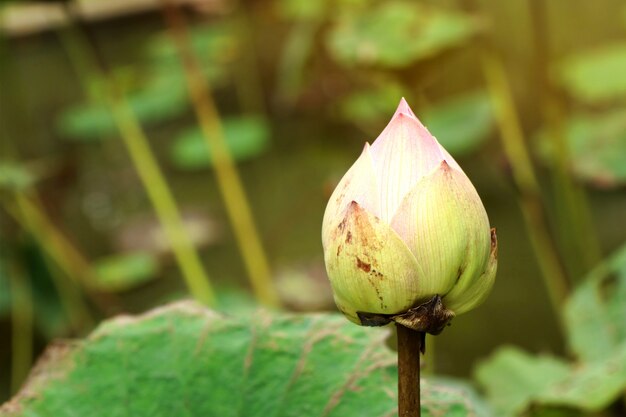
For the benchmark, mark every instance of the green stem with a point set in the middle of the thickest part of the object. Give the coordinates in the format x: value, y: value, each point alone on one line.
x: 228, y: 180
x: 33, y: 218
x: 84, y: 56
x: 76, y: 310
x: 574, y: 217
x: 514, y: 146
x: 22, y: 319
x: 162, y: 199
x: 246, y: 72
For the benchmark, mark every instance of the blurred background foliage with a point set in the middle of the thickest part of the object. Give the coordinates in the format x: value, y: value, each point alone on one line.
x: 150, y: 150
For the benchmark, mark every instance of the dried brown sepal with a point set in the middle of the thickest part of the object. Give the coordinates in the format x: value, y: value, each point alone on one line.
x: 430, y: 317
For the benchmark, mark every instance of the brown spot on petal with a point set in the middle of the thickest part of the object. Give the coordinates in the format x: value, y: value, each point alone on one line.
x: 349, y: 237
x: 364, y: 266
x: 459, y: 272
x: 378, y: 294
x: 494, y: 242
x: 342, y: 225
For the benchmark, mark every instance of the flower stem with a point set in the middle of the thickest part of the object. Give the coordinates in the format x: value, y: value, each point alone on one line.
x: 575, y: 223
x: 83, y: 50
x: 162, y: 199
x: 409, y: 345
x: 22, y: 321
x: 228, y: 180
x: 512, y: 137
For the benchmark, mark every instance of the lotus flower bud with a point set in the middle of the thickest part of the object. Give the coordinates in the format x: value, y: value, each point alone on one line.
x: 406, y: 237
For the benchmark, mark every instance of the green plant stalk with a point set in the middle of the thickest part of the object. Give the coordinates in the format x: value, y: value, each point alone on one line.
x: 575, y: 222
x: 72, y: 302
x: 27, y: 211
x: 32, y: 217
x: 229, y: 183
x: 512, y: 138
x: 22, y: 323
x: 246, y: 72
x: 82, y: 53
x: 294, y: 58
x: 136, y: 142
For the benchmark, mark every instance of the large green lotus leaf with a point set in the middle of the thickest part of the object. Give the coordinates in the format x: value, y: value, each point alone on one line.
x: 246, y: 137
x: 597, y: 145
x: 597, y: 75
x: 185, y: 360
x: 461, y: 124
x: 596, y: 313
x: 396, y: 33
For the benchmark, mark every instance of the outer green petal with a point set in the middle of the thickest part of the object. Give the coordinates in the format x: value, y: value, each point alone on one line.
x: 471, y: 292
x: 358, y: 184
x: 370, y: 269
x: 444, y: 223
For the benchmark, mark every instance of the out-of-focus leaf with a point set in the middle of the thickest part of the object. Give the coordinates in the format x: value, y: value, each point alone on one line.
x: 162, y: 93
x: 596, y: 75
x: 186, y: 360
x: 14, y: 177
x: 597, y: 334
x: 597, y: 146
x: 592, y: 386
x: 461, y: 124
x: 372, y: 105
x: 89, y: 122
x: 596, y: 313
x: 396, y: 33
x: 513, y: 378
x: 516, y: 380
x: 213, y: 44
x: 246, y: 137
x: 125, y: 271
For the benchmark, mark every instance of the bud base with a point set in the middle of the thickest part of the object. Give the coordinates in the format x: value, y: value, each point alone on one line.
x: 430, y: 317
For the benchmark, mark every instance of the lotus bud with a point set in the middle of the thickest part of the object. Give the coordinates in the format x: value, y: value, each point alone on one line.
x: 406, y: 237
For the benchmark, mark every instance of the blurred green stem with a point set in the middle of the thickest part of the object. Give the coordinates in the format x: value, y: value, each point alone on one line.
x: 512, y: 138
x: 77, y: 312
x: 246, y: 71
x: 22, y: 323
x: 33, y: 218
x: 83, y: 53
x: 230, y: 185
x: 162, y: 199
x: 28, y: 212
x: 293, y: 59
x: 573, y: 216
